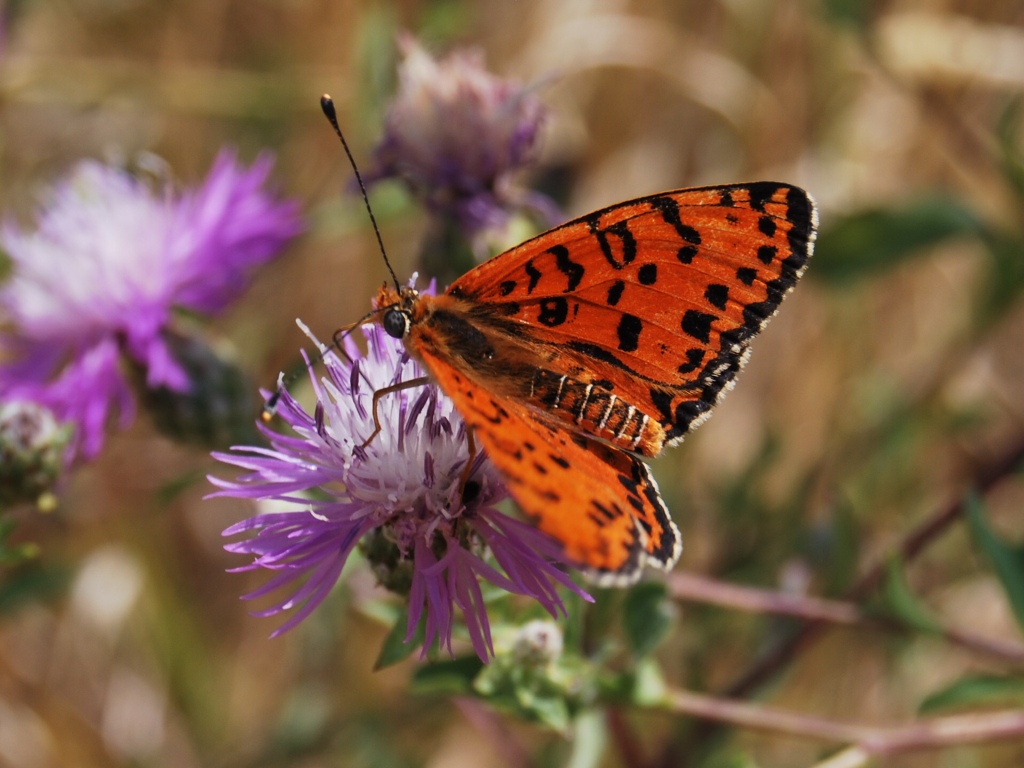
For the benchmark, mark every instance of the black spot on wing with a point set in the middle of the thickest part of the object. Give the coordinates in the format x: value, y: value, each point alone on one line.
x: 663, y: 402
x: 669, y: 210
x: 500, y: 414
x: 559, y: 460
x: 599, y: 353
x: 717, y: 295
x: 761, y: 193
x: 746, y: 275
x: 567, y: 266
x: 623, y: 239
x: 694, y: 357
x: 553, y: 311
x: 647, y: 274
x: 534, y: 275
x: 629, y: 332
x: 698, y: 325
x: 615, y: 293
x: 687, y: 253
x: 635, y: 502
x: 767, y: 226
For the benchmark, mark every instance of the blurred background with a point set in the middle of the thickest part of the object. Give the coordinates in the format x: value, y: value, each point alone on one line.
x: 890, y: 382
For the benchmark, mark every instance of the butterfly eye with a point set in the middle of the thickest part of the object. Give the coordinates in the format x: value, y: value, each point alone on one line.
x: 396, y: 323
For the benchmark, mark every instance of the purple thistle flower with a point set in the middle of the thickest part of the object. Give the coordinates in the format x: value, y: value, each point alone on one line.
x: 402, y: 490
x: 101, y: 274
x: 456, y: 135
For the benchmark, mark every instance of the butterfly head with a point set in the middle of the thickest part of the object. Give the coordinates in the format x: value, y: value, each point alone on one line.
x: 396, y: 310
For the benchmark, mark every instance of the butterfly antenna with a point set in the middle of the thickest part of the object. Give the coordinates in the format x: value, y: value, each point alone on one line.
x: 327, y: 105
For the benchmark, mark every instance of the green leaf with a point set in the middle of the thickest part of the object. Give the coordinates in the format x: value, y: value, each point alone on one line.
x: 872, y: 241
x: 444, y: 21
x: 12, y: 555
x: 856, y: 13
x: 31, y: 583
x: 1007, y: 560
x: 900, y: 602
x: 648, y: 684
x: 974, y: 691
x: 544, y: 706
x: 448, y: 677
x: 647, y: 616
x: 395, y: 648
x: 589, y: 741
x: 1007, y: 134
x: 1003, y: 282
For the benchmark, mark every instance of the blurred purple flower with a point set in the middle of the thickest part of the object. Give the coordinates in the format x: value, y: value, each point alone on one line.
x: 456, y: 135
x: 109, y: 260
x: 402, y: 490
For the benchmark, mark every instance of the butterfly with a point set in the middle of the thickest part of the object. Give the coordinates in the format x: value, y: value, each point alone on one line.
x: 579, y: 353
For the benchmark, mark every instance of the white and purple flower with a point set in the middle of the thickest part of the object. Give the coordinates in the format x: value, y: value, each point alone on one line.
x: 109, y: 261
x: 456, y: 136
x: 404, y: 488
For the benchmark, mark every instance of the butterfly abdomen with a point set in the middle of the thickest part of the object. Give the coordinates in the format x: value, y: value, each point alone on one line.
x: 593, y: 407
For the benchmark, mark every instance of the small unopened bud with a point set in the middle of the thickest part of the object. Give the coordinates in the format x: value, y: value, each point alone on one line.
x: 32, y: 453
x: 393, y: 572
x: 217, y: 408
x: 538, y: 643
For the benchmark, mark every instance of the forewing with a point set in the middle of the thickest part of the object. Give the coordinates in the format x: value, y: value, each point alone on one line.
x: 656, y: 299
x: 600, y: 503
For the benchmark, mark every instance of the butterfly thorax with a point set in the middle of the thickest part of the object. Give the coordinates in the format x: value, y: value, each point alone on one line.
x: 499, y: 356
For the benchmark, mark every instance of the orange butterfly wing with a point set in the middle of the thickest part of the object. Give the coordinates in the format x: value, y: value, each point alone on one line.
x: 601, y: 503
x: 655, y: 299
x: 608, y: 337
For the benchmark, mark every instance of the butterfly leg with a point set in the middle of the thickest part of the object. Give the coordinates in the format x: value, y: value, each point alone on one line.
x: 338, y: 341
x: 473, y: 450
x: 419, y: 381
